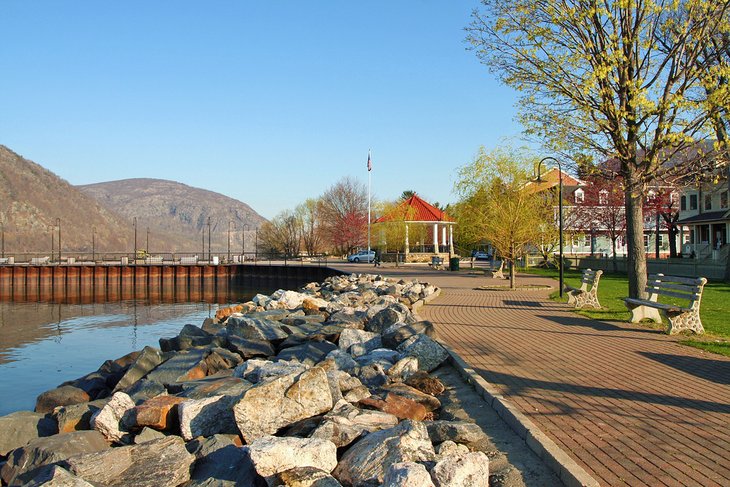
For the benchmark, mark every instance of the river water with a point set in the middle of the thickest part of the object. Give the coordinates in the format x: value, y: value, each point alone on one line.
x: 43, y: 344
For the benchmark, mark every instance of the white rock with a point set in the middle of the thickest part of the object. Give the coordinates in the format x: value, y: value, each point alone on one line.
x: 449, y: 448
x: 369, y: 341
x: 292, y: 299
x: 271, y: 454
x: 259, y: 370
x: 465, y: 470
x: 407, y: 474
x: 109, y: 420
x: 206, y: 417
x: 430, y: 354
x: 403, y: 369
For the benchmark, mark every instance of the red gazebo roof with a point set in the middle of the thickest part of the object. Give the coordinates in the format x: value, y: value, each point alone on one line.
x: 415, y: 209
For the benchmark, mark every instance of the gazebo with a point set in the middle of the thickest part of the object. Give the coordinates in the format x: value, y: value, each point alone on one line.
x: 417, y: 211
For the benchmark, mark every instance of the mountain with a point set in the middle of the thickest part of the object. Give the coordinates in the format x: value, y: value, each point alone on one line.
x: 180, y: 210
x: 33, y: 199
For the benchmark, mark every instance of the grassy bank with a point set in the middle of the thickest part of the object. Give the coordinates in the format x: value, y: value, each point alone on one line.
x: 614, y: 287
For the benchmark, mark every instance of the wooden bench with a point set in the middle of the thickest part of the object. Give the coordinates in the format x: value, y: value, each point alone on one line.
x: 680, y: 317
x: 189, y: 260
x: 39, y: 260
x: 499, y: 272
x: 153, y: 260
x: 583, y: 297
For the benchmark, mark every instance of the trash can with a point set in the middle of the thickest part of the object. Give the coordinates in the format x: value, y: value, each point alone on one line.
x: 454, y: 264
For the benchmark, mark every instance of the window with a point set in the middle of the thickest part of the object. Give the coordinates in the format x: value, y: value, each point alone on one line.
x: 708, y: 201
x: 646, y: 241
x: 683, y: 203
x: 723, y: 199
x: 603, y: 197
x: 587, y: 242
x: 693, y: 202
x: 579, y: 195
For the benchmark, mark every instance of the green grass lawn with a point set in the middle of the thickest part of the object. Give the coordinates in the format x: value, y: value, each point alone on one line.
x: 714, y: 309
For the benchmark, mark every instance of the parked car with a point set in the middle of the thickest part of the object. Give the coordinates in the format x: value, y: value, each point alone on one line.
x: 362, y: 256
x: 481, y: 255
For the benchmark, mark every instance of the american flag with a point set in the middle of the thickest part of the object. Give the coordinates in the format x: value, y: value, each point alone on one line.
x: 370, y: 166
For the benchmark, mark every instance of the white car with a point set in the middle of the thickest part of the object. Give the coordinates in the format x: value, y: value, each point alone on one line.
x: 362, y: 256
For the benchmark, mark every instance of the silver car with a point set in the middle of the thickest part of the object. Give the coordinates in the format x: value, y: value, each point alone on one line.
x: 362, y: 256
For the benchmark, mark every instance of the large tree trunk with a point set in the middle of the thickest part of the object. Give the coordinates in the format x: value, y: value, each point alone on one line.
x: 636, y: 257
x: 615, y: 263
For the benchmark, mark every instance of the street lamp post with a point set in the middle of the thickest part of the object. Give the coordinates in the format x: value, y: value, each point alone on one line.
x: 93, y: 244
x: 209, y: 240
x: 256, y: 245
x: 2, y: 234
x: 229, y: 241
x: 147, y: 242
x: 134, y: 257
x: 560, y: 214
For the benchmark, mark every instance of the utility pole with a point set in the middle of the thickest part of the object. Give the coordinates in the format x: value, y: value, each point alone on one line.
x: 209, y: 258
x: 229, y: 240
x: 147, y: 245
x: 93, y: 244
x: 135, y: 239
x: 58, y: 223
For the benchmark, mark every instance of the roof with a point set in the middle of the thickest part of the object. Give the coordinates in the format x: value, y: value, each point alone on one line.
x: 415, y: 209
x: 710, y: 216
x: 551, y: 179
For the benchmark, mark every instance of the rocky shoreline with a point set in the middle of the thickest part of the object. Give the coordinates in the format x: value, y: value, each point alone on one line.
x: 327, y: 386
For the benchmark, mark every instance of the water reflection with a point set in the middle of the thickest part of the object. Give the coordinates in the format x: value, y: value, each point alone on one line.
x: 43, y: 344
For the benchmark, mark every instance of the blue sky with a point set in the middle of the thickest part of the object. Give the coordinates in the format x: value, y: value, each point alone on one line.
x: 268, y: 102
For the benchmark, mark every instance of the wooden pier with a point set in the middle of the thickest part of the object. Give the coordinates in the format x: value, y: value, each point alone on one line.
x: 81, y: 283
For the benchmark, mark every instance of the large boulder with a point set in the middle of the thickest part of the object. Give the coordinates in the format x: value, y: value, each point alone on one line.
x: 464, y: 470
x: 369, y: 341
x: 309, y: 353
x: 249, y: 348
x: 383, y: 319
x: 77, y: 416
x: 408, y: 474
x: 456, y: 431
x: 366, y: 462
x: 426, y: 400
x: 220, y: 462
x: 396, y: 405
x: 271, y: 455
x: 271, y: 405
x: 430, y: 354
x: 159, y: 413
x: 255, y: 328
x: 186, y: 365
x: 305, y: 477
x: 112, y: 420
x: 23, y: 462
x: 55, y: 476
x: 400, y: 332
x: 256, y: 370
x: 207, y: 417
x: 60, y: 396
x: 148, y: 359
x: 20, y: 428
x: 157, y: 463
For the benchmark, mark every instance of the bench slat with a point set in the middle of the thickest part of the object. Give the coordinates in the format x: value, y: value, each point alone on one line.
x: 673, y: 294
x: 653, y: 304
x: 682, y: 280
x: 676, y: 287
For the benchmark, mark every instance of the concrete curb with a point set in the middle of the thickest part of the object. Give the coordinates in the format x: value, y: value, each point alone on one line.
x: 569, y: 472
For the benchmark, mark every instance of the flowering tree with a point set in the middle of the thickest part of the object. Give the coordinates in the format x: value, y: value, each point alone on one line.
x: 344, y: 214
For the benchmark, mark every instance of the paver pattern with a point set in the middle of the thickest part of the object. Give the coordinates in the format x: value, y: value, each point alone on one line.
x: 629, y: 404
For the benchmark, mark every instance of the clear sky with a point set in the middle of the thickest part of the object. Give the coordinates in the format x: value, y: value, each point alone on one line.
x: 269, y: 102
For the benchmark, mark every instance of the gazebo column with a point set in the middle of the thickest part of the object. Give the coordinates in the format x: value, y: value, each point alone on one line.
x: 435, y: 238
x: 407, y: 246
x: 451, y: 240
x: 443, y: 237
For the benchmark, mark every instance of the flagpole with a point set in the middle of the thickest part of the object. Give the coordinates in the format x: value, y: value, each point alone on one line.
x: 369, y: 180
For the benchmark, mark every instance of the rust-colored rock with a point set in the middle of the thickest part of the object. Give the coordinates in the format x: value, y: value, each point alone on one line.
x: 401, y: 407
x: 159, y: 413
x: 60, y: 396
x: 425, y: 383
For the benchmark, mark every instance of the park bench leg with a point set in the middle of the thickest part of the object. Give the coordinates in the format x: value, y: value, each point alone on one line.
x: 639, y: 313
x: 688, y: 320
x: 587, y: 300
x: 571, y: 298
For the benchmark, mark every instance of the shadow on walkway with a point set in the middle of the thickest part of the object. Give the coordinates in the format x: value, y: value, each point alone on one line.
x: 717, y: 371
x: 595, y: 324
x: 521, y: 386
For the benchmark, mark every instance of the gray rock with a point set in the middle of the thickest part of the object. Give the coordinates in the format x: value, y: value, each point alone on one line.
x: 343, y: 360
x: 310, y: 353
x: 55, y: 476
x: 23, y: 461
x: 456, y: 431
x: 383, y: 319
x: 250, y: 348
x: 269, y: 406
x: 430, y: 354
x: 408, y: 474
x: 255, y: 328
x: 366, y: 462
x: 221, y: 463
x: 20, y: 428
x: 110, y: 420
x: 163, y: 462
x: 182, y: 366
x: 256, y: 370
x: 357, y: 394
x: 220, y: 359
x: 207, y: 417
x: 271, y: 455
x: 272, y: 314
x: 147, y: 434
x: 464, y: 470
x: 213, y: 386
x: 145, y: 389
x: 147, y: 360
x: 383, y: 356
x: 403, y: 369
x: 345, y: 423
x: 449, y: 448
x: 369, y: 341
x: 400, y: 332
x: 372, y: 375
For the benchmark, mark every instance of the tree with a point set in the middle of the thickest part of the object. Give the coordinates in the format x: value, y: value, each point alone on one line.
x: 344, y: 213
x: 281, y: 235
x: 497, y: 204
x: 602, y: 211
x: 616, y: 79
x: 309, y: 216
x: 407, y: 194
x: 662, y: 204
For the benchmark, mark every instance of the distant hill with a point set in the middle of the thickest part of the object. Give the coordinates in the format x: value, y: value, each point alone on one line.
x: 180, y: 210
x: 32, y: 198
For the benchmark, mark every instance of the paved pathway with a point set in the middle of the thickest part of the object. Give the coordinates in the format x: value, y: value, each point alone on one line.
x: 629, y: 404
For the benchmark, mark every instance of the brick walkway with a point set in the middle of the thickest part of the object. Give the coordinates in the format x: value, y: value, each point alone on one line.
x: 629, y: 404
